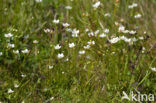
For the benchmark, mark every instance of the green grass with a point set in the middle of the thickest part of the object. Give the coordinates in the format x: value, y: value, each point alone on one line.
x: 98, y: 76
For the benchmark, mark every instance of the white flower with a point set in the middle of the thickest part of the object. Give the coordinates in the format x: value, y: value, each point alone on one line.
x: 68, y: 7
x: 143, y: 49
x: 87, y: 30
x: 69, y: 29
x: 23, y: 75
x: 96, y: 5
x: 47, y: 31
x: 11, y: 45
x: 132, y: 32
x: 25, y: 51
x: 50, y: 66
x: 137, y: 16
x: 8, y: 35
x: 66, y: 59
x: 16, y: 51
x: 35, y: 41
x: 153, y: 69
x: 86, y: 47
x: 134, y: 39
x: 57, y: 47
x: 10, y: 91
x: 125, y: 31
x: 90, y: 34
x: 141, y: 38
x: 61, y: 55
x: 114, y: 40
x: 56, y: 21
x: 38, y: 1
x: 107, y: 15
x: 102, y: 35
x: 132, y: 6
x: 135, y: 4
x: 116, y: 23
x: 51, y: 98
x: 91, y: 42
x: 82, y: 52
x: 75, y: 33
x: 106, y: 30
x: 65, y: 24
x: 16, y: 85
x: 1, y: 53
x: 121, y: 28
x: 71, y: 45
x: 22, y: 102
x: 125, y: 39
x: 96, y: 32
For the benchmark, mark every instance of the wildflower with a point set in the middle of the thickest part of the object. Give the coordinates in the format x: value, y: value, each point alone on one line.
x: 23, y: 102
x: 16, y: 85
x: 8, y: 35
x: 65, y: 24
x: 125, y: 31
x: 82, y: 52
x: 107, y: 15
x: 125, y: 39
x: 23, y: 75
x: 106, y: 30
x: 71, y: 45
x: 141, y: 38
x: 87, y: 30
x: 38, y: 1
x: 116, y: 23
x: 1, y: 53
x: 96, y: 32
x: 86, y: 47
x: 57, y: 47
x: 143, y: 49
x: 51, y: 98
x: 10, y: 91
x: 90, y: 34
x: 135, y: 4
x: 121, y: 28
x: 75, y: 33
x: 56, y: 21
x: 153, y: 69
x: 69, y: 29
x: 134, y: 39
x: 61, y: 55
x: 35, y: 41
x: 48, y: 31
x: 50, y: 66
x: 11, y: 45
x: 132, y: 6
x: 102, y: 35
x: 68, y: 7
x: 137, y: 16
x: 16, y: 51
x: 96, y: 5
x: 132, y: 32
x: 66, y: 59
x: 25, y: 51
x: 114, y: 40
x: 91, y: 42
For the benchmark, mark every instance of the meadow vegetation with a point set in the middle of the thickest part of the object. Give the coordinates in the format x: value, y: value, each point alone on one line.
x: 76, y: 51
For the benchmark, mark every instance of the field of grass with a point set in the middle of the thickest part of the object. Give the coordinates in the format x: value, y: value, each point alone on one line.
x: 76, y: 51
